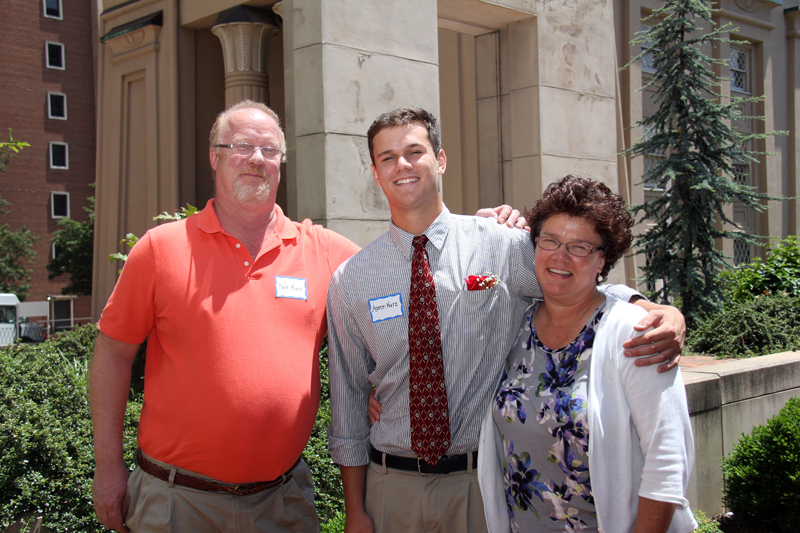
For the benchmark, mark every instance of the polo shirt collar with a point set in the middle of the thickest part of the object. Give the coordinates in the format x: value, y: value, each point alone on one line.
x: 436, y: 233
x: 208, y: 222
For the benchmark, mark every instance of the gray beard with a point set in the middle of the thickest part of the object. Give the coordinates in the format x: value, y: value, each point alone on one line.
x: 249, y: 194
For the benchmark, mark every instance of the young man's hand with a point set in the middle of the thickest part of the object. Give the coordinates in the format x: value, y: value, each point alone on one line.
x: 662, y: 345
x: 504, y: 214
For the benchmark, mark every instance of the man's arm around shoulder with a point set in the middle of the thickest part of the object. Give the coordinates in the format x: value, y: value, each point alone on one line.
x: 109, y: 384
x: 664, y: 342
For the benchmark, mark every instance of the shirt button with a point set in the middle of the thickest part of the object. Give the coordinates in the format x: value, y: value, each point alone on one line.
x: 247, y: 263
x: 238, y: 245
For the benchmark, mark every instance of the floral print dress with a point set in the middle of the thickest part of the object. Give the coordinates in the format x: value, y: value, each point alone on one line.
x: 540, y: 410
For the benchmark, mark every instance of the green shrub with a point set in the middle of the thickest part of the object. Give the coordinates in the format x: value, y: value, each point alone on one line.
x: 706, y: 524
x: 762, y: 474
x: 46, y: 452
x: 766, y: 324
x: 780, y: 272
x: 328, y: 495
x: 334, y: 525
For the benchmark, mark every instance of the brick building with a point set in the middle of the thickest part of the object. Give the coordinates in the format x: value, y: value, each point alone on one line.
x: 47, y: 83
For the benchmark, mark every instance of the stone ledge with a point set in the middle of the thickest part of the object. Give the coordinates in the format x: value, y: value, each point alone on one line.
x: 743, y: 379
x: 702, y: 391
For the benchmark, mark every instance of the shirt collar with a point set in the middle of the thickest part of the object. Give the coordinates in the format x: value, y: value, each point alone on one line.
x: 208, y: 222
x: 436, y: 233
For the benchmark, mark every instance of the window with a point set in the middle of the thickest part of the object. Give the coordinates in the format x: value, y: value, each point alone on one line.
x: 651, y: 160
x: 59, y: 204
x: 742, y: 252
x: 59, y: 155
x: 55, y: 251
x: 55, y: 55
x: 52, y: 9
x: 57, y: 105
x: 647, y: 59
x: 741, y: 172
x: 740, y: 81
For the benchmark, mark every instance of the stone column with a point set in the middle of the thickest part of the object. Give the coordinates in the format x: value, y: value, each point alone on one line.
x: 348, y: 61
x: 245, y: 33
x: 793, y: 107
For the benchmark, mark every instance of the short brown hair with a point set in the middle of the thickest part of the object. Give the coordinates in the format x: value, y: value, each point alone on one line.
x: 404, y: 117
x: 222, y: 118
x: 581, y: 197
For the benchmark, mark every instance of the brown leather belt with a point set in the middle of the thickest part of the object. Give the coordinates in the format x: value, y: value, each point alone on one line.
x: 210, y: 486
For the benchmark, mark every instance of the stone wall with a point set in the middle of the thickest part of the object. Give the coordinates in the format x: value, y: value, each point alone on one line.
x: 726, y: 400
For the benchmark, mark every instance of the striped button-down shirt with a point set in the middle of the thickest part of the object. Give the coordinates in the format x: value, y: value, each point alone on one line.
x: 368, y: 330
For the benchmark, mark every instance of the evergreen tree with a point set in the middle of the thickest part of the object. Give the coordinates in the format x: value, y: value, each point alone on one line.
x: 75, y: 253
x: 692, y: 128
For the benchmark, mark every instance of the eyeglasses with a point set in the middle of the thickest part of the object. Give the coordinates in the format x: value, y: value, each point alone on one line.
x: 573, y: 248
x: 247, y: 150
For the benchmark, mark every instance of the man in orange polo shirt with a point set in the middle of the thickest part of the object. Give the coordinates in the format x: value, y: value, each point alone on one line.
x: 232, y: 302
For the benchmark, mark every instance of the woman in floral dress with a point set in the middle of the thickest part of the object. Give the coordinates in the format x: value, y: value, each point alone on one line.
x: 583, y: 443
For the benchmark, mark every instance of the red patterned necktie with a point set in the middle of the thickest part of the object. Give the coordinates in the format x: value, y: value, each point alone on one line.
x: 430, y: 422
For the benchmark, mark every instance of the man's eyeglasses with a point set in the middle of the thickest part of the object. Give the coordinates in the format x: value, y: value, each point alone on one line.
x: 573, y: 248
x: 247, y: 150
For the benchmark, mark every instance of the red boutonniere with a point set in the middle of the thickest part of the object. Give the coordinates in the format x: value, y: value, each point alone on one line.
x: 481, y: 283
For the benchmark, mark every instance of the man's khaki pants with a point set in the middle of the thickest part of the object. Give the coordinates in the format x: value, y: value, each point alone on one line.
x: 155, y: 507
x: 403, y: 501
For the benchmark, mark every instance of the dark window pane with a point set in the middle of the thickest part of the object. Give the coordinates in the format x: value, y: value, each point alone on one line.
x: 52, y: 8
x: 60, y: 205
x: 58, y: 106
x: 58, y: 155
x: 54, y: 59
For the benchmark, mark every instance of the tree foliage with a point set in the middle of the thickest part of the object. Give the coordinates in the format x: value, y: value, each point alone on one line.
x: 16, y: 252
x: 778, y: 273
x: 9, y: 149
x: 131, y: 239
x: 692, y: 128
x: 16, y: 247
x: 75, y: 246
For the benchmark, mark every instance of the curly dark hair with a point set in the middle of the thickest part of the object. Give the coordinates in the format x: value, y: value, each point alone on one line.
x: 581, y: 197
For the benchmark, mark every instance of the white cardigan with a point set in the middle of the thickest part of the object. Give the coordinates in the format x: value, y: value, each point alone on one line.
x: 640, y: 439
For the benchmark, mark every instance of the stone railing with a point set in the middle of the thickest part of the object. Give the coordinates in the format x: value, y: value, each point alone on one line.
x: 726, y: 400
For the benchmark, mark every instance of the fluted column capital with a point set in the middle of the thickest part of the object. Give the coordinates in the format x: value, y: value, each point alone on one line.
x: 245, y: 45
x: 245, y: 33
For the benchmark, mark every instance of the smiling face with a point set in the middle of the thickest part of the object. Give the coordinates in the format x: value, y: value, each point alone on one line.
x: 408, y: 171
x: 249, y: 180
x: 562, y: 276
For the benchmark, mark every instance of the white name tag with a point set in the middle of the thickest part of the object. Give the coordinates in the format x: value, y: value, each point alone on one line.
x: 290, y: 288
x: 386, y: 307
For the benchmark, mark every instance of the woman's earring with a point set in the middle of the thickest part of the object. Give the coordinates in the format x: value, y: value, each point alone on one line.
x: 599, y: 278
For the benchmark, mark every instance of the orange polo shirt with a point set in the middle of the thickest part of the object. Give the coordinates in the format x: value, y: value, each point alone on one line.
x: 232, y: 375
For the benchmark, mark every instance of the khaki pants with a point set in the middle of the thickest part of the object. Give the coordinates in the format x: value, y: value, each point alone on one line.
x: 155, y: 507
x: 403, y: 501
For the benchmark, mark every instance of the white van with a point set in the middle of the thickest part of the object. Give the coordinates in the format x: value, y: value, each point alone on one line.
x: 9, y: 323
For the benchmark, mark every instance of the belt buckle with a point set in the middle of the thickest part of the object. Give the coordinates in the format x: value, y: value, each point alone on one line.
x: 419, y: 466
